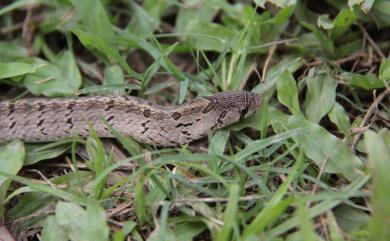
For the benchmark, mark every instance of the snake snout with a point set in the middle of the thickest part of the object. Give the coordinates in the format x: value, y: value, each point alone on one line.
x: 256, y: 100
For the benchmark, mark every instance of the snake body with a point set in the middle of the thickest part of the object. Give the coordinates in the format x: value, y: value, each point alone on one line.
x: 44, y: 120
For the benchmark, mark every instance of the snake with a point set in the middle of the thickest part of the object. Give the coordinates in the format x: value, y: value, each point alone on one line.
x: 35, y: 120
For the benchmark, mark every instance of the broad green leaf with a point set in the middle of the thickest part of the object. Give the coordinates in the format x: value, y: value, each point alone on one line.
x: 320, y: 95
x: 50, y: 81
x: 379, y: 156
x: 67, y: 65
x: 326, y: 42
x: 340, y: 118
x: 38, y: 152
x: 284, y: 14
x: 11, y: 158
x: 319, y: 145
x: 342, y: 23
x: 95, y: 19
x: 51, y: 230
x: 31, y: 201
x: 210, y: 36
x: 188, y: 231
x: 188, y: 18
x: 217, y: 146
x: 288, y: 92
x: 72, y: 218
x: 113, y: 75
x: 367, y: 81
x: 349, y: 218
x: 142, y: 23
x: 218, y: 142
x: 381, y: 10
x: 96, y: 227
x: 12, y: 51
x: 384, y: 71
x: 11, y: 161
x: 8, y: 70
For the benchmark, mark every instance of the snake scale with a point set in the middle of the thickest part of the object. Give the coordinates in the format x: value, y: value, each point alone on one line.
x: 45, y: 119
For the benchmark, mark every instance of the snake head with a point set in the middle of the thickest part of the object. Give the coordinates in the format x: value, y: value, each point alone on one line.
x: 230, y: 107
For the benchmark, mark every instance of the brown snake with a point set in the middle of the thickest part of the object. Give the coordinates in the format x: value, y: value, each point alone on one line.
x: 43, y: 120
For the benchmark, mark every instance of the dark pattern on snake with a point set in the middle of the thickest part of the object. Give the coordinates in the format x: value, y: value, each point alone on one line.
x: 43, y: 120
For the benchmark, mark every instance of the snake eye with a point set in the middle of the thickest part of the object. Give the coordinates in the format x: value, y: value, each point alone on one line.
x: 243, y: 112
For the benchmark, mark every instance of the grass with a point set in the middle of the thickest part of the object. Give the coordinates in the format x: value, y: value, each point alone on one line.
x: 312, y: 164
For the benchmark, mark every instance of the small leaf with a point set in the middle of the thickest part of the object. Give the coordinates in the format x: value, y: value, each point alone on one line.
x: 320, y: 96
x: 38, y: 152
x: 218, y: 142
x: 142, y: 23
x: 12, y: 51
x: 51, y: 230
x: 11, y: 158
x: 324, y: 22
x: 340, y: 118
x: 96, y: 227
x: 69, y: 69
x: 113, y: 75
x: 367, y: 81
x: 11, y: 161
x: 49, y: 80
x: 217, y: 147
x: 343, y: 22
x: 95, y: 19
x: 327, y: 43
x: 71, y: 217
x: 288, y: 92
x: 8, y: 70
x: 284, y: 14
x: 183, y: 90
x: 349, y: 218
